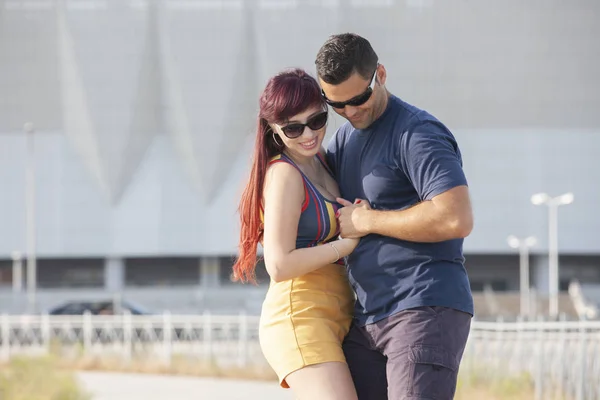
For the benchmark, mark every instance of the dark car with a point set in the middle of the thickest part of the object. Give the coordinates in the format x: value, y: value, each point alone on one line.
x: 105, y: 307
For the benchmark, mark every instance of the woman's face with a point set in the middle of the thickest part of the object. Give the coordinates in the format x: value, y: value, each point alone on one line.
x: 303, y: 134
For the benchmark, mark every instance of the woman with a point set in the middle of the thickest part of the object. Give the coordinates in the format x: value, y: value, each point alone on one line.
x: 289, y: 207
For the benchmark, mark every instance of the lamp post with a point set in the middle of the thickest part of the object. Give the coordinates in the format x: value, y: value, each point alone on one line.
x: 523, y: 246
x: 17, y: 272
x: 30, y: 218
x: 553, y: 203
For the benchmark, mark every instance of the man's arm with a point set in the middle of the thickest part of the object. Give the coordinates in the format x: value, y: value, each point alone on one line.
x: 431, y: 160
x: 447, y: 216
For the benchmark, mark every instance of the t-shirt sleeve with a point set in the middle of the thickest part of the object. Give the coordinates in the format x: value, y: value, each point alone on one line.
x: 431, y: 159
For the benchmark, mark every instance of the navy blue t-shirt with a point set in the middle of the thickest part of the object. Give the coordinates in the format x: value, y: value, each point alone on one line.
x: 406, y: 156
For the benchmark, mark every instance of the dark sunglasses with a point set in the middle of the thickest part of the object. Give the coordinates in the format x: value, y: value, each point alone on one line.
x: 356, y: 100
x: 296, y: 129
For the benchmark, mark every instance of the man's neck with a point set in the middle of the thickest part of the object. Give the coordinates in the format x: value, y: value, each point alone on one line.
x: 384, y: 105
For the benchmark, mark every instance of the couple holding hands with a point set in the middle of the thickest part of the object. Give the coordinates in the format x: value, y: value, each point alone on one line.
x: 369, y: 298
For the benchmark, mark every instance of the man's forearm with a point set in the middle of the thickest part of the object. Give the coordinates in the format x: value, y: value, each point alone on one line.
x: 424, y: 222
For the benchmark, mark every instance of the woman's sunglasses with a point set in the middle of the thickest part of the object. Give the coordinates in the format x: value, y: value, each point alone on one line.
x: 296, y: 129
x: 356, y: 100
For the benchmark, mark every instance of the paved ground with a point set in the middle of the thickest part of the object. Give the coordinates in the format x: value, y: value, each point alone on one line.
x: 119, y: 386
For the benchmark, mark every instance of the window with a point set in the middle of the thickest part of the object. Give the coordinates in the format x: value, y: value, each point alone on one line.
x: 70, y: 273
x: 495, y: 285
x: 6, y: 273
x: 226, y: 265
x: 162, y: 271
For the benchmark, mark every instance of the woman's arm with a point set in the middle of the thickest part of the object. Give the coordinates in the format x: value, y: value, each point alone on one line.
x: 283, y: 199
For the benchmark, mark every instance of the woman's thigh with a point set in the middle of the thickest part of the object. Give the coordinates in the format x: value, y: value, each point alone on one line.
x: 326, y: 381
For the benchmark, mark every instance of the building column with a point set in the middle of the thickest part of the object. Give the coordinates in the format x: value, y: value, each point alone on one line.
x: 210, y: 272
x: 114, y: 274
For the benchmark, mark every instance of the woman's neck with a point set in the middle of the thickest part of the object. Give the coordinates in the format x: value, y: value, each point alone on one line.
x: 301, y: 161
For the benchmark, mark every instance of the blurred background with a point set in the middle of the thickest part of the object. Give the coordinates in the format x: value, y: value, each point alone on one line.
x: 126, y: 130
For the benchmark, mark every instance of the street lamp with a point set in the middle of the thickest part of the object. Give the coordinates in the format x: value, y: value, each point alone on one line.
x: 553, y: 203
x: 30, y: 217
x: 17, y: 272
x: 523, y: 245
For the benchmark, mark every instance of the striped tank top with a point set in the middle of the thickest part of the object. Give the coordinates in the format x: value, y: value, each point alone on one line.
x: 317, y: 224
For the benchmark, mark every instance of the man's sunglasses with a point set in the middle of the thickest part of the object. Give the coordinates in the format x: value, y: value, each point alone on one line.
x: 356, y: 100
x: 296, y: 129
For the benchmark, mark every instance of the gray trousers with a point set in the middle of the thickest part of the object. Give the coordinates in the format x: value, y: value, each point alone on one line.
x: 413, y: 354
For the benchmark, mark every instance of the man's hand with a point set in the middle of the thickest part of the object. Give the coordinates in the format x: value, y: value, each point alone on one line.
x: 354, y: 218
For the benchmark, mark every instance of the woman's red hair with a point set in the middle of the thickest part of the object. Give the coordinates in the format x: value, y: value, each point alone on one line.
x: 287, y: 94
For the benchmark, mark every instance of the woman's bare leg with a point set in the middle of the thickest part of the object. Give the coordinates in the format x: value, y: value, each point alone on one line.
x: 326, y: 381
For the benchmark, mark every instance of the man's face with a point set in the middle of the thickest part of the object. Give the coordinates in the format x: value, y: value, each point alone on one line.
x: 360, y: 116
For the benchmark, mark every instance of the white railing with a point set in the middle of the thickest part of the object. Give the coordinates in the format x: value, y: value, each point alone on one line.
x: 562, y: 359
x: 223, y: 340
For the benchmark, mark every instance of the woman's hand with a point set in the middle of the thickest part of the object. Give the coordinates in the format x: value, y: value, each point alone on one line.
x: 353, y: 218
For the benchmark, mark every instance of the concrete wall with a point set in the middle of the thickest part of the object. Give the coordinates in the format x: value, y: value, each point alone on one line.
x: 145, y: 111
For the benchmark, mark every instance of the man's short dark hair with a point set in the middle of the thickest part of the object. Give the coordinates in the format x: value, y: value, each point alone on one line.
x: 344, y: 54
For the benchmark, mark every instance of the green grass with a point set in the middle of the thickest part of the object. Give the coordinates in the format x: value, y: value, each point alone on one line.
x: 179, y: 365
x: 51, y: 378
x: 480, y: 383
x: 38, y: 379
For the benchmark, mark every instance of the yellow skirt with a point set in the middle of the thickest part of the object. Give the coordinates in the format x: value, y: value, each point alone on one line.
x: 304, y: 320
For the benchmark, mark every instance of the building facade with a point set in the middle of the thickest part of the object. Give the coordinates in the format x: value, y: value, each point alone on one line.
x: 144, y: 114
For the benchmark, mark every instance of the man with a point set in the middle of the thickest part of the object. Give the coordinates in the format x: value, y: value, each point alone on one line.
x: 414, y: 304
